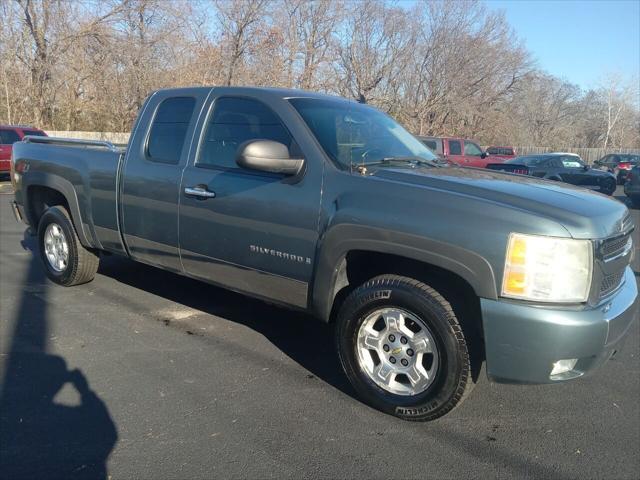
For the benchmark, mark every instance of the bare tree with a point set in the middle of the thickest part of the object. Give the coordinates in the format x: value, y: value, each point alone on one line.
x: 373, y: 42
x: 51, y: 28
x: 239, y: 21
x: 617, y: 98
x: 441, y: 67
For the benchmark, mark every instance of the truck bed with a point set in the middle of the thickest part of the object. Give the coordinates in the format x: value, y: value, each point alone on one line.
x: 87, y: 170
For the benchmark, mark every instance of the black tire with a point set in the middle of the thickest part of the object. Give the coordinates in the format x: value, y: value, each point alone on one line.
x: 453, y: 380
x: 609, y: 186
x: 82, y: 263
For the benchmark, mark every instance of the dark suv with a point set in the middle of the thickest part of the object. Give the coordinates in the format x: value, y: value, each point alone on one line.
x: 632, y: 186
x: 10, y: 134
x: 619, y: 164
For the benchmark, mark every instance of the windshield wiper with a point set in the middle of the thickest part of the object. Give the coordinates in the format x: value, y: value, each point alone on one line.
x: 408, y: 159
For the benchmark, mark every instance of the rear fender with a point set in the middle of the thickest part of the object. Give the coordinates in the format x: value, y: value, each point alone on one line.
x: 55, y: 182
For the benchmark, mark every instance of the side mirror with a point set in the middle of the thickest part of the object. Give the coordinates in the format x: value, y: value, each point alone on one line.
x: 268, y: 156
x: 484, y: 155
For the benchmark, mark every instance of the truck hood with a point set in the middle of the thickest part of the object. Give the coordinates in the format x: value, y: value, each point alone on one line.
x: 585, y: 214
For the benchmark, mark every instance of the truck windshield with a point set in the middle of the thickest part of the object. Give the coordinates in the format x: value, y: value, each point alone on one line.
x: 353, y: 134
x: 35, y: 133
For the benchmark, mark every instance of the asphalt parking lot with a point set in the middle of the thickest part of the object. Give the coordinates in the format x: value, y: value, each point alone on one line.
x: 142, y: 373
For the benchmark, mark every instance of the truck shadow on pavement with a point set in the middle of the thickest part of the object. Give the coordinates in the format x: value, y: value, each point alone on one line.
x: 307, y: 341
x: 40, y: 438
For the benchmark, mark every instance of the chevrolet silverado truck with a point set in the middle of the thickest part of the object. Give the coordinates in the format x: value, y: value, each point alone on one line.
x: 330, y: 207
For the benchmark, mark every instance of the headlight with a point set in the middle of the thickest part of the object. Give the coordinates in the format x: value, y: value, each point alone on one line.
x: 547, y: 269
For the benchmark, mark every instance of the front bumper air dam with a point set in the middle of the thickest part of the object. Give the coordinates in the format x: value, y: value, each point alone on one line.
x: 523, y: 342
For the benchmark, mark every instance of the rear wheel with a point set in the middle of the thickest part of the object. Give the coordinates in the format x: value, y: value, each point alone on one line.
x: 65, y: 260
x: 403, y: 349
x: 609, y: 186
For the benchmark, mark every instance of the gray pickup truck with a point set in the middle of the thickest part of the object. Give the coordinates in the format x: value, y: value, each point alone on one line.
x: 329, y: 206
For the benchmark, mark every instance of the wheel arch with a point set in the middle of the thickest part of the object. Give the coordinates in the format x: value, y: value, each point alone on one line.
x: 44, y: 190
x: 344, y: 262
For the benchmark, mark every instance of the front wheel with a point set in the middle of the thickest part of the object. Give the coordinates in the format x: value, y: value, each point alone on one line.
x: 403, y: 349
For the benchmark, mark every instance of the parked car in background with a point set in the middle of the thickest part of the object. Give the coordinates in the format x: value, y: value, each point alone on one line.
x: 562, y: 167
x: 632, y: 185
x: 503, y: 152
x: 620, y: 164
x: 460, y: 151
x: 10, y: 134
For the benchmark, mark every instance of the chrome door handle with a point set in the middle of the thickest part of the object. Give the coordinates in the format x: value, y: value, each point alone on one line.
x: 199, y: 191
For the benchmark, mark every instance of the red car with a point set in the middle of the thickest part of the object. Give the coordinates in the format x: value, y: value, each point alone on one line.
x: 10, y: 134
x: 503, y: 152
x: 460, y: 151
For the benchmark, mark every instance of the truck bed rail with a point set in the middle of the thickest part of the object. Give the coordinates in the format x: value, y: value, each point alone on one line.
x: 74, y: 142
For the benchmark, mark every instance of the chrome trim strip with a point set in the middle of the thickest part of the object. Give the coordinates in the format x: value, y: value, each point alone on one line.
x: 74, y: 142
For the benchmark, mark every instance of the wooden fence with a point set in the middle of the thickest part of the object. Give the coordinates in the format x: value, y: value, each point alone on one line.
x: 590, y: 155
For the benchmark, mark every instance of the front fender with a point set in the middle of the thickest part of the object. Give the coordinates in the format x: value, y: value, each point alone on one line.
x: 343, y: 238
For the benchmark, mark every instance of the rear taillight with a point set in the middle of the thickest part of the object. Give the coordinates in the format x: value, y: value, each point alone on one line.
x: 625, y: 166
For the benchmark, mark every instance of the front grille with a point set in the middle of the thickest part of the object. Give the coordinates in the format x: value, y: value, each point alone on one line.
x: 613, y: 247
x: 627, y: 223
x: 611, y: 283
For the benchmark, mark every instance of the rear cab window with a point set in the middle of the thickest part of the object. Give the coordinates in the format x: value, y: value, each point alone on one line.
x: 169, y: 130
x: 34, y: 133
x: 431, y: 144
x: 455, y: 148
x: 8, y: 136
